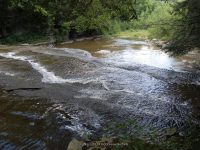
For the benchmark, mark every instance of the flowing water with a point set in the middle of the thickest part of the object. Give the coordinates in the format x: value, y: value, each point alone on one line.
x: 51, y: 94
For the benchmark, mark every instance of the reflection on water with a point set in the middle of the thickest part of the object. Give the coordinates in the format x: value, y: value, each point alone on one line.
x: 146, y: 55
x: 141, y: 52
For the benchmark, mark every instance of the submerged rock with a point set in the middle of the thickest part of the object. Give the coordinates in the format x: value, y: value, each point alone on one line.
x: 103, y: 52
x: 25, y: 44
x: 171, y: 132
x: 75, y: 145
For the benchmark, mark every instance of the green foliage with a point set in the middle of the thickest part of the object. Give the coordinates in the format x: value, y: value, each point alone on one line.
x: 41, y: 10
x: 162, y: 21
x: 188, y: 34
x: 95, y: 18
x: 63, y: 18
x: 124, y: 10
x: 158, y: 20
x: 25, y: 37
x: 114, y: 27
x: 67, y: 17
x: 173, y: 20
x: 134, y: 34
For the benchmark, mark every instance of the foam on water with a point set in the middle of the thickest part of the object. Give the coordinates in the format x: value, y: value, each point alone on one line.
x: 77, y: 52
x: 79, y: 121
x: 76, y: 126
x: 7, y: 73
x: 68, y: 52
x: 103, y: 52
x: 196, y: 82
x: 129, y: 42
x: 48, y: 76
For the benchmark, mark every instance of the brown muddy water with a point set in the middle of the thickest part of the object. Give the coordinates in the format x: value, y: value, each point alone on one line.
x: 50, y: 95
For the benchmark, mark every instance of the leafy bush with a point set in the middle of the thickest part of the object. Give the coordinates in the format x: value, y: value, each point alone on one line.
x: 159, y: 21
x: 25, y: 37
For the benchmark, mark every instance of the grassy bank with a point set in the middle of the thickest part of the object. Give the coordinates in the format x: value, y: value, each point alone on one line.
x: 151, y: 24
x: 132, y: 34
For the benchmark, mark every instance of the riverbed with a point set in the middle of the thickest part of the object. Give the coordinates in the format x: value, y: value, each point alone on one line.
x: 53, y: 93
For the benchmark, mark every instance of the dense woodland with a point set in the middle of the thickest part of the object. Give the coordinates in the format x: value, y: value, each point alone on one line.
x: 175, y: 21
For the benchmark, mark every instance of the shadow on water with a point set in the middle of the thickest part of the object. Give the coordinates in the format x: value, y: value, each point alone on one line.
x: 33, y: 123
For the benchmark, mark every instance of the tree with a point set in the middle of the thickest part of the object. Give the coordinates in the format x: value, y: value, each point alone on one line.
x: 64, y: 18
x: 3, y: 17
x: 188, y: 31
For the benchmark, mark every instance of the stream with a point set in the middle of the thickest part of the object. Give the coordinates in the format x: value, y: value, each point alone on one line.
x: 51, y: 94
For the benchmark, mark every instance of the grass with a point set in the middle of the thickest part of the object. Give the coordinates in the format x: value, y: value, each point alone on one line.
x: 140, y: 34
